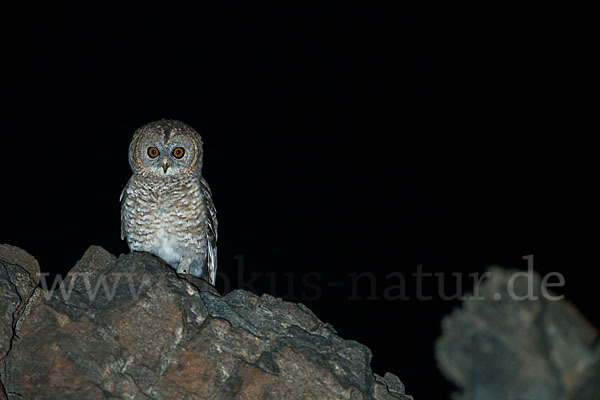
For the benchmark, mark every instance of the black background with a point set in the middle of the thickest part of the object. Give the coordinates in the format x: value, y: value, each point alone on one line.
x: 339, y: 139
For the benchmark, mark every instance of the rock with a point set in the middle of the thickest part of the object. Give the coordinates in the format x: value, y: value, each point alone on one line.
x: 508, y: 349
x: 19, y: 276
x: 132, y: 328
x: 586, y: 385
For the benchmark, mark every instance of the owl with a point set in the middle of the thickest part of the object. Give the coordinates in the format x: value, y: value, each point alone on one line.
x: 167, y: 207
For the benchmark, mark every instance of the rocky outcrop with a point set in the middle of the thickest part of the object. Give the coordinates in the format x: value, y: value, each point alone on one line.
x: 19, y: 277
x: 509, y: 348
x: 131, y: 328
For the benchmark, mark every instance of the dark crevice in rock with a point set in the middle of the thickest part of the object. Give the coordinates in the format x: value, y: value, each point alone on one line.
x: 3, y: 395
x: 13, y: 315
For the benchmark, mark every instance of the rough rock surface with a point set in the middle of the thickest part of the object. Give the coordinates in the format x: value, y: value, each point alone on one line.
x: 131, y: 328
x: 19, y: 274
x: 506, y: 349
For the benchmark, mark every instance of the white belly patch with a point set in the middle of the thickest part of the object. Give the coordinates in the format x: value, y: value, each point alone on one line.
x: 166, y: 247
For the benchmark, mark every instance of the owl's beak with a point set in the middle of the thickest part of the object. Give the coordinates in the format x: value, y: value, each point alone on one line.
x: 165, y: 165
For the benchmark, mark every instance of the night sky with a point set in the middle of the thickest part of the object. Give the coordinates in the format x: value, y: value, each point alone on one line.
x: 339, y: 139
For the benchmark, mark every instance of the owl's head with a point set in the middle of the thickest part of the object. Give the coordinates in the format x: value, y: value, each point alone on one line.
x: 166, y: 148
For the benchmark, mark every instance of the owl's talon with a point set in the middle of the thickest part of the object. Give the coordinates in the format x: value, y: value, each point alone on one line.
x: 183, y: 266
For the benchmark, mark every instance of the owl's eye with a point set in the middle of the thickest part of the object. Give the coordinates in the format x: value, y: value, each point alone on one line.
x: 178, y: 152
x: 153, y: 152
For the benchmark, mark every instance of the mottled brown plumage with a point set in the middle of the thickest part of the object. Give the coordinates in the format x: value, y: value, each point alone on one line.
x: 167, y: 207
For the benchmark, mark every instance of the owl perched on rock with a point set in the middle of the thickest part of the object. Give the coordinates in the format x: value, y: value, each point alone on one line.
x: 167, y: 207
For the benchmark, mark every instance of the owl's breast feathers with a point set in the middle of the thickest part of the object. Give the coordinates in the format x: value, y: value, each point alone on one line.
x: 171, y: 218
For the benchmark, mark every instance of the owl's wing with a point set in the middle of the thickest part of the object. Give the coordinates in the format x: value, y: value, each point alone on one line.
x: 211, y: 231
x: 122, y: 200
